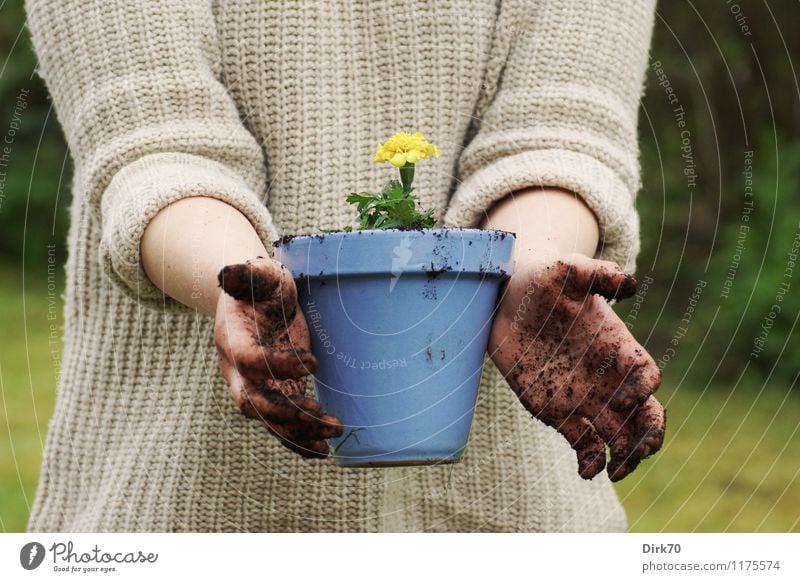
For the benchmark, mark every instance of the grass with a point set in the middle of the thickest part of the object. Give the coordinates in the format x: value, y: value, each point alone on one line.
x: 28, y: 371
x: 730, y: 462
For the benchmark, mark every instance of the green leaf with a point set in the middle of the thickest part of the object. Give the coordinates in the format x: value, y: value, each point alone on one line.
x: 391, y: 208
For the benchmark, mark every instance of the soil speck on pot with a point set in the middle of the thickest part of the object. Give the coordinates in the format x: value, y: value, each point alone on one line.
x: 434, y: 273
x: 284, y: 240
x: 429, y: 290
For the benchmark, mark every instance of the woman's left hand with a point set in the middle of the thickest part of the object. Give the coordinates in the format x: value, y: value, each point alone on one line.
x: 264, y: 351
x: 574, y: 364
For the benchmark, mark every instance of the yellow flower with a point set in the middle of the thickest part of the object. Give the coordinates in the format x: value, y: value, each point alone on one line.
x: 403, y: 148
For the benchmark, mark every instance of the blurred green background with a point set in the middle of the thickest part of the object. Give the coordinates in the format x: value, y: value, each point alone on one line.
x: 721, y: 113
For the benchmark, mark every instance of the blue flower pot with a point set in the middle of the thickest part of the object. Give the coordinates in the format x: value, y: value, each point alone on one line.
x: 399, y: 321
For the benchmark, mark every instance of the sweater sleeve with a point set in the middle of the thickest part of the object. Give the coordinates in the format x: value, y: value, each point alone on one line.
x: 136, y: 86
x: 562, y: 112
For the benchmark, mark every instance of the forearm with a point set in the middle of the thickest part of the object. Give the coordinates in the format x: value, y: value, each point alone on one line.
x: 186, y: 244
x: 548, y: 222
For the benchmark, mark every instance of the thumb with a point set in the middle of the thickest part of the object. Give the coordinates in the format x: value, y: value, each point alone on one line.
x: 583, y: 276
x: 255, y: 280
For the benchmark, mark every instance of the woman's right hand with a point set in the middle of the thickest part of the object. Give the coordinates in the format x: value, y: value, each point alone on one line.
x: 264, y: 351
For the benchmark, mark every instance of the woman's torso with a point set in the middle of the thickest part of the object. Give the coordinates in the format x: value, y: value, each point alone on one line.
x: 145, y: 435
x: 321, y: 84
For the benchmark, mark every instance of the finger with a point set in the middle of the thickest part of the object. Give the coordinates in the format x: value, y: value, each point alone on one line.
x: 584, y: 275
x: 314, y: 449
x: 294, y: 414
x: 650, y: 423
x: 277, y: 364
x: 276, y: 407
x: 306, y: 435
x: 309, y: 450
x: 243, y: 349
x: 297, y: 416
x: 315, y: 425
x: 588, y: 445
x: 616, y: 430
x: 641, y: 376
x: 299, y: 419
x: 255, y: 280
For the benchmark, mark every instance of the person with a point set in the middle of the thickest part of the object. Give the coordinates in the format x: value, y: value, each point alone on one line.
x: 201, y: 131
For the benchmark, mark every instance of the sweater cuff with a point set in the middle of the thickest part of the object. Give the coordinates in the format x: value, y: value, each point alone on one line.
x: 599, y: 186
x: 143, y: 188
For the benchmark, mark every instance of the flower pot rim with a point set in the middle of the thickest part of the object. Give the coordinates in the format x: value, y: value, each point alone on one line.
x: 341, y: 234
x: 469, y: 252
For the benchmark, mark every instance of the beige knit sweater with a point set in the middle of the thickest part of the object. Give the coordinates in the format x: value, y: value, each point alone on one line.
x: 275, y: 108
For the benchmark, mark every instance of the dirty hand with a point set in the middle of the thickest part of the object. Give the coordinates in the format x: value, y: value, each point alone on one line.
x: 264, y: 353
x: 575, y: 366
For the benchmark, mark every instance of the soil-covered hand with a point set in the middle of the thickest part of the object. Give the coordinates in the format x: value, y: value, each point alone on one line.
x: 264, y: 353
x: 575, y: 366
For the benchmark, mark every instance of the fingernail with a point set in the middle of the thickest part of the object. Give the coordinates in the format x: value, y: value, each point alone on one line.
x: 590, y: 465
x: 650, y: 440
x: 309, y: 361
x: 616, y: 470
x: 332, y: 432
x: 628, y: 287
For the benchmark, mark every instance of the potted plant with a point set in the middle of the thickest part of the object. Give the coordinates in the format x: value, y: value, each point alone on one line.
x: 399, y: 314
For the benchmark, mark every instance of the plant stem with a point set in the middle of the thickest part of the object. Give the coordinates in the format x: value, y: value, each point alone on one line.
x: 407, y: 176
x: 344, y: 440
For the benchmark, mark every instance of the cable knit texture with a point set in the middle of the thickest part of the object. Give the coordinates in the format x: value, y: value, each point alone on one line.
x: 275, y: 108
